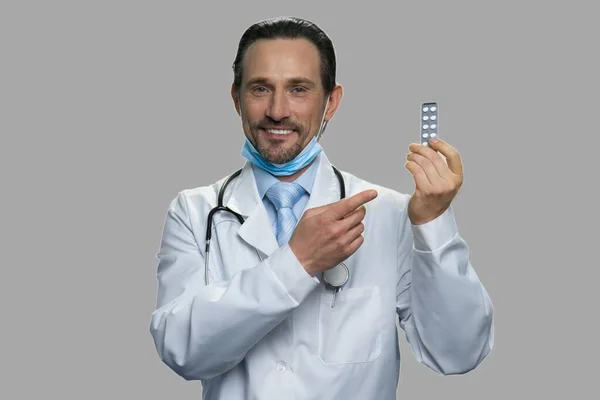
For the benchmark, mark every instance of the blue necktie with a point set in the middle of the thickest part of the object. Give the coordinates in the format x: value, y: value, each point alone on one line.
x: 283, y: 195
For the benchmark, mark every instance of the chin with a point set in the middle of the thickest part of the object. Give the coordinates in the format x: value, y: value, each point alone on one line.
x: 277, y: 158
x: 278, y: 151
x: 276, y: 154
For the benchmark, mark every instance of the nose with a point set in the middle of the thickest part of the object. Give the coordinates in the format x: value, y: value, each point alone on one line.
x: 279, y: 107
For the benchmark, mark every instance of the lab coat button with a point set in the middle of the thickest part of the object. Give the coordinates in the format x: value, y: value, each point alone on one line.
x: 281, y: 367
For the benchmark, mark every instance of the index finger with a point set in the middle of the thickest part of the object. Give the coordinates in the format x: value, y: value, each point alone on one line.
x: 343, y: 207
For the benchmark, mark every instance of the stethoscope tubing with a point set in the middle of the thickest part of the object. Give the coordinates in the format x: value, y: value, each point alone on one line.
x: 221, y: 207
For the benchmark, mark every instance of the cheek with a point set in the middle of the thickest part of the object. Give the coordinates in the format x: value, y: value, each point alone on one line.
x: 307, y: 113
x: 252, y: 114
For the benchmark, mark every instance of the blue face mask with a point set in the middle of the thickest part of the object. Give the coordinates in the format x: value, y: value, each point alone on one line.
x: 306, y: 156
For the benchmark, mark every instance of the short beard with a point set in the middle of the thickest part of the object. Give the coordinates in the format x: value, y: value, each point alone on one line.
x: 278, y: 155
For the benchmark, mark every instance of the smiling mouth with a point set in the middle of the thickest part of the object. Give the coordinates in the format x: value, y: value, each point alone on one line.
x: 278, y: 132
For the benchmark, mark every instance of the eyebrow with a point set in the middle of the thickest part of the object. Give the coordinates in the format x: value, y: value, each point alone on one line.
x: 292, y: 81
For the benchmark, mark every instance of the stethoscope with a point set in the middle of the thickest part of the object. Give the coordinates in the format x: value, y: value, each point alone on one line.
x: 335, y: 277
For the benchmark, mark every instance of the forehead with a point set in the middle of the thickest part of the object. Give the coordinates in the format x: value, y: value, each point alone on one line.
x: 281, y: 59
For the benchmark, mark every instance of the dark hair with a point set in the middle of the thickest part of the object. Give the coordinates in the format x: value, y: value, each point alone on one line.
x: 289, y: 28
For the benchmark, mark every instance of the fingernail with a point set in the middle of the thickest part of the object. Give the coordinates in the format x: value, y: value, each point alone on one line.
x: 434, y: 140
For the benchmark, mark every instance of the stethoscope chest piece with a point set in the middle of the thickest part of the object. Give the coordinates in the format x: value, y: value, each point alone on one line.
x: 337, y: 276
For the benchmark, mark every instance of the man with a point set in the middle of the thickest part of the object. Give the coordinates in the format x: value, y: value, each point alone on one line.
x: 263, y: 324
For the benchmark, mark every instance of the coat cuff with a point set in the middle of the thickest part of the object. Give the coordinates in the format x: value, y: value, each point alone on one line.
x: 436, y: 233
x: 297, y: 283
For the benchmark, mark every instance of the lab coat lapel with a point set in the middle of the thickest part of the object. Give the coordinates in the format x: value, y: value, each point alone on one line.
x: 244, y: 199
x: 326, y: 188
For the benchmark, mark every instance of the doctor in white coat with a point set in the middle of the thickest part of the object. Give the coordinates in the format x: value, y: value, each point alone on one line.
x: 261, y: 322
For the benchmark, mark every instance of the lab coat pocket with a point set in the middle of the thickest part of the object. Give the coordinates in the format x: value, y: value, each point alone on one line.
x: 350, y: 331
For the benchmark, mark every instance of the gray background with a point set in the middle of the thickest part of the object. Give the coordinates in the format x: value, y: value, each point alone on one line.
x: 109, y: 108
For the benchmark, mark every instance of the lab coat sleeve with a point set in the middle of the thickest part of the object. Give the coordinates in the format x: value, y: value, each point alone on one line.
x: 203, y: 331
x: 444, y: 309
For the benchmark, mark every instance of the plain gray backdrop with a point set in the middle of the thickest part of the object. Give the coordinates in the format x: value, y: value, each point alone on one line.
x: 109, y: 108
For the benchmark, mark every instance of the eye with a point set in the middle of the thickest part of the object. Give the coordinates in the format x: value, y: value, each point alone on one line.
x: 259, y: 89
x: 299, y: 89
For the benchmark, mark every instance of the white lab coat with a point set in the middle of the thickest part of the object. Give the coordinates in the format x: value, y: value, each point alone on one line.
x: 266, y: 330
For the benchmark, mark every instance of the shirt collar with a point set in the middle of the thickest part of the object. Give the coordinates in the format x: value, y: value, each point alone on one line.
x: 264, y: 179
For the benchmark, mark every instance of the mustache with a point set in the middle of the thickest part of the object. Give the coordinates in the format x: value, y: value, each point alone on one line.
x: 277, y: 124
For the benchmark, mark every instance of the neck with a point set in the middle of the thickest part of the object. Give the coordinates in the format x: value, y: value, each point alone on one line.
x: 295, y: 176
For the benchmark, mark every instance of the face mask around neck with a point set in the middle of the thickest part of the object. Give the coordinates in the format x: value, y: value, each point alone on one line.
x: 306, y: 156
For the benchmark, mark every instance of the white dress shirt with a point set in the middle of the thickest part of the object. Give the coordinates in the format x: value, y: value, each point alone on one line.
x: 265, y: 329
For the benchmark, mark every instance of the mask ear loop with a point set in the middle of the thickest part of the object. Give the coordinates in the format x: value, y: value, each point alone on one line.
x: 323, y: 122
x: 239, y: 99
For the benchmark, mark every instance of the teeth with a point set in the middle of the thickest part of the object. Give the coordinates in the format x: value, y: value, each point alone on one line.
x: 279, y: 131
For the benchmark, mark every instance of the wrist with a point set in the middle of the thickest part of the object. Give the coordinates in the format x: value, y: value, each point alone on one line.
x: 304, y: 261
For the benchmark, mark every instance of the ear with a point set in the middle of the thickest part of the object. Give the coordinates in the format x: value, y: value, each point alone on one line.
x: 334, y: 101
x: 236, y: 99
